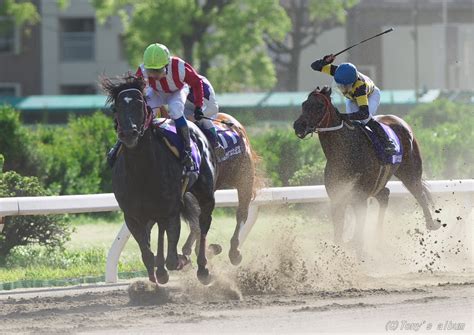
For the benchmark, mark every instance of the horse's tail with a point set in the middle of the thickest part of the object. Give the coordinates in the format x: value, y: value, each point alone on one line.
x: 191, y: 210
x: 258, y: 174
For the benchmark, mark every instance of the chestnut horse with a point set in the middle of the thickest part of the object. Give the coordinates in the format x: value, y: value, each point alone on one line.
x: 238, y: 172
x: 353, y: 173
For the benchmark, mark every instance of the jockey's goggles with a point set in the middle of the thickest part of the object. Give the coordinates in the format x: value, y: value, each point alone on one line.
x: 344, y: 88
x: 158, y: 71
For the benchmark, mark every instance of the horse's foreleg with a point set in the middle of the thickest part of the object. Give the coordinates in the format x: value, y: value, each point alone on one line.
x: 338, y: 210
x: 141, y: 233
x: 360, y: 209
x: 161, y: 273
x: 173, y: 230
x: 382, y: 198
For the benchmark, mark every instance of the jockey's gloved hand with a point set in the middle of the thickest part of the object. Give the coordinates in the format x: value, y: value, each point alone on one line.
x: 328, y: 59
x: 320, y: 63
x: 198, y: 114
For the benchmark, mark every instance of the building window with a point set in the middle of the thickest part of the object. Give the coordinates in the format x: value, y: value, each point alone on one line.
x: 8, y: 36
x: 77, y: 39
x: 9, y: 89
x: 78, y: 89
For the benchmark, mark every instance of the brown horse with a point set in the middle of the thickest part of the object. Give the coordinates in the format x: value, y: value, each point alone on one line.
x: 353, y: 172
x: 238, y: 172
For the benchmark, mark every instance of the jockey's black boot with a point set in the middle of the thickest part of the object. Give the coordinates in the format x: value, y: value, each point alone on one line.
x: 216, y: 145
x: 112, y: 154
x: 387, y: 142
x: 186, y: 158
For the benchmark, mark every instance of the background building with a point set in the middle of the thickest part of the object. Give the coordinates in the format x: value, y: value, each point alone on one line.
x: 63, y: 54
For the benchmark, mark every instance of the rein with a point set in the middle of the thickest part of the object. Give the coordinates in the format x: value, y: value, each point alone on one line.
x: 148, y: 115
x: 326, y: 118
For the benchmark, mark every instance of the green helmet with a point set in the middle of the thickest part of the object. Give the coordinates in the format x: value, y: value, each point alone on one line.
x: 156, y: 56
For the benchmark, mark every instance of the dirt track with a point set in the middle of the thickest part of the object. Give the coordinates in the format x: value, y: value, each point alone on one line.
x: 292, y: 280
x: 109, y: 310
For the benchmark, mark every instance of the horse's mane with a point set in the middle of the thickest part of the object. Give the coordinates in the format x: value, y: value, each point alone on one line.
x: 113, y: 86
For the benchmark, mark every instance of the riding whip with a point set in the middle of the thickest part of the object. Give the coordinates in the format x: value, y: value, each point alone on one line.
x: 384, y: 32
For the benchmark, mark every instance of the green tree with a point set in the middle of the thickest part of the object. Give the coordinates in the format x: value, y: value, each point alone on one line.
x: 309, y: 18
x: 46, y: 230
x: 24, y: 13
x: 224, y: 39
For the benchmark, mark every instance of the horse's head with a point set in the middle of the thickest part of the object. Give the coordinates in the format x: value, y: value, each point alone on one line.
x: 317, y: 112
x: 131, y: 114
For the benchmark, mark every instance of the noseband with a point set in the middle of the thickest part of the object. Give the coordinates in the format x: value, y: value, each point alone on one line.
x: 322, y: 126
x: 148, y: 114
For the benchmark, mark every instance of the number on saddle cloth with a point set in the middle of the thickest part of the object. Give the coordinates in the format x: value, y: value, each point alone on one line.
x: 230, y: 141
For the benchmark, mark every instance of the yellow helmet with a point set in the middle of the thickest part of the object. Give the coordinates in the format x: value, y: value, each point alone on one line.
x: 156, y: 56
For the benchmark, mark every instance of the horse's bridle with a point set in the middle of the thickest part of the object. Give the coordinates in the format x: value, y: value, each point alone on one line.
x: 148, y: 114
x: 320, y: 127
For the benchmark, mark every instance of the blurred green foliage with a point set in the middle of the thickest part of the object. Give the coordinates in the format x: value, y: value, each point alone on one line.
x: 284, y: 155
x: 73, y: 157
x: 445, y: 132
x: 16, y: 144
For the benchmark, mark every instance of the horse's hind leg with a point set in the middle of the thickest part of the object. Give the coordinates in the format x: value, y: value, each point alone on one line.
x: 409, y: 173
x: 382, y: 198
x: 205, y: 195
x: 191, y: 215
x: 421, y: 194
x: 245, y: 196
x: 141, y: 233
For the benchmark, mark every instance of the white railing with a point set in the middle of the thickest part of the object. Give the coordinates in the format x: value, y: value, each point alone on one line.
x: 224, y: 198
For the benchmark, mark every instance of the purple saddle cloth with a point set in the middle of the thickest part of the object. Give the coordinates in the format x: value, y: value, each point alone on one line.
x: 380, y: 149
x: 168, y: 129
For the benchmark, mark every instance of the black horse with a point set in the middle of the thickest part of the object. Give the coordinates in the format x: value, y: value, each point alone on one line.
x: 147, y: 180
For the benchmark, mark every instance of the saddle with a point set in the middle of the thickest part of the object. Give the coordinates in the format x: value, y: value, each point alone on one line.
x: 230, y: 140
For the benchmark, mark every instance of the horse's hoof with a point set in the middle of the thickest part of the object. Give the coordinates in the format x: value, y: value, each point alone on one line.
x: 433, y: 225
x: 162, y: 277
x: 235, y: 257
x: 183, y: 261
x: 204, y: 277
x: 152, y: 278
x: 214, y: 249
x: 187, y: 252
